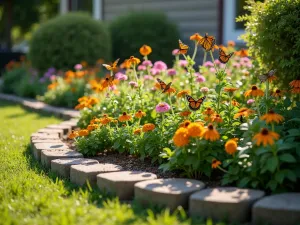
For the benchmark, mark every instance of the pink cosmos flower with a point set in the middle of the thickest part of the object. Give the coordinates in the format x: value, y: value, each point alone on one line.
x: 208, y: 64
x: 175, y: 52
x: 162, y: 107
x: 200, y: 79
x: 153, y: 89
x: 78, y: 67
x: 236, y: 65
x: 147, y: 63
x: 121, y: 76
x: 204, y: 90
x: 250, y: 101
x: 154, y: 71
x: 217, y: 62
x: 133, y: 84
x: 244, y: 60
x: 142, y: 67
x: 183, y: 63
x: 148, y: 77
x: 212, y: 69
x: 160, y: 65
x: 112, y: 88
x: 171, y: 72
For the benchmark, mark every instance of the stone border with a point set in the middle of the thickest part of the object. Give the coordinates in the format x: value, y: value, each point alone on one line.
x: 219, y: 203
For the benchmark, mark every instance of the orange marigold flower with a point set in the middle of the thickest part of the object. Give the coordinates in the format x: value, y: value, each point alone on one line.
x: 254, y: 92
x: 83, y: 132
x: 134, y: 61
x: 126, y: 64
x: 52, y: 86
x: 265, y: 137
x: 185, y: 113
x: 208, y: 111
x: 69, y: 74
x: 195, y: 129
x: 145, y: 50
x: 185, y: 123
x: 295, y: 83
x: 148, y: 127
x: 230, y: 43
x: 73, y: 134
x: 137, y: 131
x: 272, y: 117
x: 170, y: 90
x: 243, y: 112
x: 105, y: 119
x: 183, y: 93
x: 139, y: 114
x: 181, y: 137
x: 242, y: 53
x: 296, y: 90
x: 90, y: 127
x: 210, y: 133
x: 231, y: 146
x: 230, y: 89
x: 124, y: 117
x: 216, y: 118
x: 215, y: 163
x: 196, y: 37
x: 80, y: 74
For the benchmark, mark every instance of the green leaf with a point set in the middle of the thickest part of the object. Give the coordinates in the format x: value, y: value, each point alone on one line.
x: 272, y: 163
x: 254, y: 184
x: 286, y: 146
x: 291, y: 175
x: 279, y: 177
x: 287, y: 158
x: 272, y: 184
x: 294, y: 132
x: 243, y: 182
x: 294, y: 120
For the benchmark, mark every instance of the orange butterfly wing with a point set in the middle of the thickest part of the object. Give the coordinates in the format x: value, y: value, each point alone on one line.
x: 207, y: 42
x: 223, y: 57
x: 161, y: 83
x: 183, y: 48
x: 108, y: 67
x: 193, y: 104
x: 167, y: 87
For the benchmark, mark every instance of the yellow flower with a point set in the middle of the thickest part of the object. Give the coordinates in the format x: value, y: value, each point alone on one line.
x: 208, y: 111
x: 145, y: 50
x: 195, y: 130
x: 124, y: 117
x: 137, y: 131
x: 254, y: 92
x: 183, y: 93
x: 231, y: 146
x: 185, y: 113
x: 217, y: 118
x: 271, y: 117
x: 148, y: 127
x: 73, y: 134
x: 210, y: 133
x: 133, y: 61
x: 181, y: 137
x: 215, y: 163
x: 83, y: 132
x: 265, y: 137
x: 139, y: 114
x: 243, y: 112
x: 196, y: 37
x: 295, y: 83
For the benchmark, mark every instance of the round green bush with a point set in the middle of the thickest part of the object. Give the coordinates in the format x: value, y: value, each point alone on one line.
x: 67, y: 40
x: 129, y: 32
x: 273, y: 36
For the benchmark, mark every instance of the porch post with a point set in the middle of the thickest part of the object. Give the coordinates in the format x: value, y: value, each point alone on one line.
x: 64, y: 6
x: 98, y: 9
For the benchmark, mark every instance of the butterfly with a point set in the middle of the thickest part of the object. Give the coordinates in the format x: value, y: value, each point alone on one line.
x: 183, y: 48
x: 193, y: 104
x: 207, y: 42
x: 112, y: 66
x: 109, y: 79
x: 163, y: 85
x: 266, y: 76
x: 223, y: 57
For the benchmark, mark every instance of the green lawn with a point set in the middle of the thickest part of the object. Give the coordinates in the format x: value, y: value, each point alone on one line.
x: 31, y: 195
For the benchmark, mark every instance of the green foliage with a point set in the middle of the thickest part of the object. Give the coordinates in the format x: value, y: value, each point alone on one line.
x: 273, y: 36
x: 67, y: 40
x: 132, y: 31
x: 11, y: 79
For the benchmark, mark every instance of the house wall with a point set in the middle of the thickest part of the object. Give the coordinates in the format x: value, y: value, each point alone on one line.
x: 191, y: 16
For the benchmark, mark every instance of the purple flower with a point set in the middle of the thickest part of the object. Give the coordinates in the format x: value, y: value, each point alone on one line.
x: 171, y: 72
x: 250, y: 101
x: 200, y: 79
x: 208, y: 64
x: 120, y: 76
x: 162, y: 107
x: 204, y: 89
x: 183, y: 63
x: 52, y: 70
x: 175, y: 52
x: 142, y: 67
x: 148, y: 77
x: 78, y: 67
x: 160, y: 65
x: 42, y: 80
x: 154, y: 71
x: 133, y: 84
x: 147, y: 63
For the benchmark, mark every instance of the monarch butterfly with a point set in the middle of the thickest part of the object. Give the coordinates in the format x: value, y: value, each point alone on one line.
x: 223, y: 57
x: 207, y: 42
x: 112, y: 66
x: 266, y: 76
x: 163, y: 85
x: 193, y: 104
x: 183, y: 48
x: 109, y: 79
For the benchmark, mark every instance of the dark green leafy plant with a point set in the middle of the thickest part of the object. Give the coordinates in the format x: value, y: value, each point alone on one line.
x: 273, y: 36
x: 67, y: 40
x: 130, y: 32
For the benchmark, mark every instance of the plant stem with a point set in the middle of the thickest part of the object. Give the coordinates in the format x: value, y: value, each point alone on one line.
x: 195, y: 51
x: 257, y: 107
x: 170, y: 100
x: 220, y: 168
x: 266, y: 95
x: 135, y: 74
x: 213, y: 59
x: 230, y: 109
x: 204, y: 57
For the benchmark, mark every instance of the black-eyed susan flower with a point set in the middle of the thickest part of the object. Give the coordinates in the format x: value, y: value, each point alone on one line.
x: 296, y: 90
x: 216, y: 118
x: 210, y: 133
x: 272, y: 117
x: 124, y: 117
x: 231, y: 146
x: 181, y: 137
x: 277, y: 93
x: 265, y: 137
x: 215, y: 163
x: 295, y: 83
x: 145, y: 50
x: 254, y: 92
x: 185, y: 113
x: 185, y: 123
x: 195, y: 130
x: 245, y: 112
x: 230, y: 89
x: 139, y: 114
x: 208, y: 111
x: 148, y: 127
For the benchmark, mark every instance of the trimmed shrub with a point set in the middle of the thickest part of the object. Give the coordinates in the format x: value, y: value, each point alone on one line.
x: 67, y: 40
x: 131, y: 31
x: 273, y: 36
